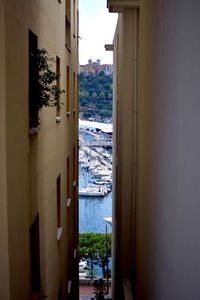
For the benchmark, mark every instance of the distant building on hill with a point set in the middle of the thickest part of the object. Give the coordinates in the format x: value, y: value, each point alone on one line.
x: 95, y: 67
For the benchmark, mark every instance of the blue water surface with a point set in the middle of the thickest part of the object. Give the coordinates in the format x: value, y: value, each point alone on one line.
x: 92, y: 210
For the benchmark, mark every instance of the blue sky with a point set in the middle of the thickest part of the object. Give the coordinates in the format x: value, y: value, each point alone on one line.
x: 96, y: 28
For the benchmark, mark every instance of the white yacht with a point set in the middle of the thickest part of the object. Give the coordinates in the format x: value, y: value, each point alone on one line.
x: 93, y: 191
x: 108, y: 220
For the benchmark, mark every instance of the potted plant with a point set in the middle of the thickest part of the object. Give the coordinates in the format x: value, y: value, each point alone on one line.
x: 44, y: 91
x: 99, y: 289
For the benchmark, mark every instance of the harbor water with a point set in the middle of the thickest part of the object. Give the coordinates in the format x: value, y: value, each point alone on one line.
x: 93, y: 210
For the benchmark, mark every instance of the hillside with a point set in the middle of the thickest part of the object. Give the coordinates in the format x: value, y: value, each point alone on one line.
x: 95, y: 95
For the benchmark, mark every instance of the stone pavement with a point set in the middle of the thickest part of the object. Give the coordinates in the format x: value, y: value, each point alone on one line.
x: 86, y: 292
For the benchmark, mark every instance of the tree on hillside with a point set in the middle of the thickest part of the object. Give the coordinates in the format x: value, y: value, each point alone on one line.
x: 93, y: 89
x: 89, y: 243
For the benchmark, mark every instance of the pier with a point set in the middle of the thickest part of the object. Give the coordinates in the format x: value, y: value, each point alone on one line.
x: 93, y: 144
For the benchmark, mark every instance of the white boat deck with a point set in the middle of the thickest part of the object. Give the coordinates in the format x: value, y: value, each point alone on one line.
x: 92, y: 192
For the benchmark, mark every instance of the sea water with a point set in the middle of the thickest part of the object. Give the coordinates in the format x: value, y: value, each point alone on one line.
x: 92, y: 210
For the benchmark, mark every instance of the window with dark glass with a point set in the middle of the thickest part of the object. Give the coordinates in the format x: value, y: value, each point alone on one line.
x: 58, y: 85
x: 58, y: 202
x: 68, y: 192
x: 74, y: 91
x: 33, y: 80
x: 68, y: 24
x: 67, y: 92
x: 74, y: 18
x: 35, y: 256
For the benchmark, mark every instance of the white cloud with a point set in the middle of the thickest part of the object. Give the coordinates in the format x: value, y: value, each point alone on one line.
x: 96, y: 31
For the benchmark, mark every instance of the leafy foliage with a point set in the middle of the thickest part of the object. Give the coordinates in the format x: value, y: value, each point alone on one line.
x: 48, y: 91
x: 92, y: 241
x: 43, y: 90
x: 95, y: 94
x: 99, y: 289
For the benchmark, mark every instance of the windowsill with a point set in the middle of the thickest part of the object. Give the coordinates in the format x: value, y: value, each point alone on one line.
x: 34, y: 130
x: 69, y: 286
x: 68, y: 113
x: 58, y: 119
x: 68, y: 48
x: 68, y: 202
x: 74, y: 183
x: 127, y: 289
x: 59, y: 233
x: 75, y: 253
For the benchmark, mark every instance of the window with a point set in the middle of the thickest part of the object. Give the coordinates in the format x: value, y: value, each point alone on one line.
x: 74, y: 91
x: 68, y: 9
x: 74, y: 189
x: 68, y: 191
x: 74, y: 18
x: 58, y: 85
x: 69, y: 260
x: 67, y: 92
x: 77, y: 28
x: 74, y: 163
x: 67, y: 24
x: 67, y: 34
x: 59, y: 228
x: 58, y: 202
x: 33, y: 80
x: 60, y: 292
x: 35, y: 256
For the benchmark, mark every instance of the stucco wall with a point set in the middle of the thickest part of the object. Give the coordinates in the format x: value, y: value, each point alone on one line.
x: 16, y: 83
x: 49, y: 151
x: 4, y: 260
x: 124, y: 153
x: 168, y: 243
x: 30, y: 165
x: 165, y: 217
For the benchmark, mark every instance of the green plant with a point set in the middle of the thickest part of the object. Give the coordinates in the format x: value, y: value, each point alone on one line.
x: 95, y: 95
x: 48, y: 91
x: 89, y: 242
x: 44, y: 85
x: 99, y: 289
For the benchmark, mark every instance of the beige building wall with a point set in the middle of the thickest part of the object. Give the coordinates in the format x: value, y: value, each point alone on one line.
x: 16, y: 146
x: 124, y: 167
x: 4, y: 261
x: 31, y: 164
x: 156, y: 190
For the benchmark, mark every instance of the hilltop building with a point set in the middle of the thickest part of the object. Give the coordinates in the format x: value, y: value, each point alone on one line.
x: 38, y: 182
x: 95, y: 67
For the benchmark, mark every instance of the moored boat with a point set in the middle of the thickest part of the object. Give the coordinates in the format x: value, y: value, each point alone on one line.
x: 93, y: 191
x: 108, y: 220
